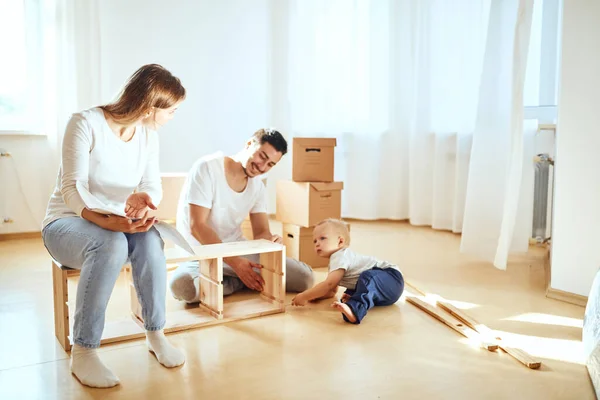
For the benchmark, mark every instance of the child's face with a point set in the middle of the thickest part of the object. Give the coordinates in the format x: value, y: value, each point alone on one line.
x: 326, y: 240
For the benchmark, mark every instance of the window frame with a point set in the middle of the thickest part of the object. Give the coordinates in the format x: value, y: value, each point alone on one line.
x: 34, y: 39
x: 549, y: 75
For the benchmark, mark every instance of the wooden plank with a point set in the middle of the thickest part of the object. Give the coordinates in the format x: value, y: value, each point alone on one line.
x: 467, y: 320
x: 271, y: 299
x: 450, y: 322
x: 61, y: 308
x: 222, y: 250
x: 522, y: 356
x: 211, y: 296
x: 274, y: 276
x: 234, y: 311
x: 212, y: 268
x: 519, y: 354
x: 193, y: 318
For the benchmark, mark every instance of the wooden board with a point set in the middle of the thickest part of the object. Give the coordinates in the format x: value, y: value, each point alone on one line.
x: 212, y: 268
x: 274, y: 277
x: 211, y: 296
x: 194, y: 318
x: 467, y: 320
x: 450, y: 322
x: 488, y: 335
x: 222, y: 250
x: 61, y: 308
x: 522, y: 356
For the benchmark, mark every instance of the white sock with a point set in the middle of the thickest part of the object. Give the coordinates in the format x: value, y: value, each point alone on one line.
x: 167, y: 355
x: 89, y: 369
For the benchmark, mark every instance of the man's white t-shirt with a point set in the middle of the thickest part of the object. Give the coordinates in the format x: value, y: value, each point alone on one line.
x: 206, y: 186
x: 355, y: 264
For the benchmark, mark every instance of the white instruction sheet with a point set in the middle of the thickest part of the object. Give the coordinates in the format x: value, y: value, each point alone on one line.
x: 167, y: 231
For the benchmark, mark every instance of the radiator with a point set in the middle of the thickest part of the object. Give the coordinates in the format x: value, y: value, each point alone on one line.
x: 542, y: 197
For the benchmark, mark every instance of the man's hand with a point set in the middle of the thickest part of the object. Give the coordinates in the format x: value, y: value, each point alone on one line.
x: 243, y: 269
x: 126, y: 225
x: 299, y: 300
x: 138, y: 204
x: 276, y: 239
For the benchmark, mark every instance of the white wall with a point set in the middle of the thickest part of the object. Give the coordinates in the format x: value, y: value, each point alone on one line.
x: 29, y: 170
x: 219, y: 49
x: 576, y: 237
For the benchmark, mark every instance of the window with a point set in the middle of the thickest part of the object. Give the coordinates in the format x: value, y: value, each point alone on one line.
x: 541, y: 80
x: 20, y: 71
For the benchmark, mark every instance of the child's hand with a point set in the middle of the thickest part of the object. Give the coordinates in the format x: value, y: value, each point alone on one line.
x: 299, y: 300
x: 345, y: 297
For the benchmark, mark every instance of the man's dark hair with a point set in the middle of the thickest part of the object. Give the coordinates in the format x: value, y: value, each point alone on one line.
x: 273, y: 137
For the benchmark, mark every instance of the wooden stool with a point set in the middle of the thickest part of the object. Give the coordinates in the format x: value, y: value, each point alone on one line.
x: 211, y: 309
x: 114, y: 331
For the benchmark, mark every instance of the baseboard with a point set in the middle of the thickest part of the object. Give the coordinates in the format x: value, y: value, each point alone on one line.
x: 567, y: 297
x: 20, y: 236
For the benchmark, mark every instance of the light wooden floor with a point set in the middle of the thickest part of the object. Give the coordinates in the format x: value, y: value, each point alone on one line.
x: 310, y: 353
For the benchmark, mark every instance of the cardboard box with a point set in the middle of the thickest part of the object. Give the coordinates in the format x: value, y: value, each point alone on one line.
x: 298, y: 242
x: 313, y: 159
x: 307, y: 203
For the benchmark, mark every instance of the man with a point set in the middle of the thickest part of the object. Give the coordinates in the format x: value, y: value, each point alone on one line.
x: 217, y: 196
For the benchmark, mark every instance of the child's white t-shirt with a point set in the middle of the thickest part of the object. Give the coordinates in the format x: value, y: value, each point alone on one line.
x: 355, y: 264
x: 206, y: 186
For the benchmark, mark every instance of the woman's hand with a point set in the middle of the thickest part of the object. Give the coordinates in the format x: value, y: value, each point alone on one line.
x: 138, y: 204
x: 126, y: 225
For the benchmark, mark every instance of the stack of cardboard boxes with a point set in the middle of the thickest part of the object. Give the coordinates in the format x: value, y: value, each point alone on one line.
x: 309, y: 197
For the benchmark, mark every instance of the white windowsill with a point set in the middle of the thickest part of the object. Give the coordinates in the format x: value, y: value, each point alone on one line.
x: 21, y: 133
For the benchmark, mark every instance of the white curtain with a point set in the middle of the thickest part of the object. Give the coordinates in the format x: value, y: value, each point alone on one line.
x: 64, y: 40
x: 497, y: 157
x: 71, y: 63
x: 404, y: 85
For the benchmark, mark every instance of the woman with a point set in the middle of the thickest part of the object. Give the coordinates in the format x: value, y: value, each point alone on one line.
x: 109, y: 152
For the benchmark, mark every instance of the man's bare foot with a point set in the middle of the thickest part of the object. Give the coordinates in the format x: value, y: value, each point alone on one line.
x: 345, y: 310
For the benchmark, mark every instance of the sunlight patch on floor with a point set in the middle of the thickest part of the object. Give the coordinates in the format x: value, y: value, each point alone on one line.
x: 547, y: 319
x: 555, y: 349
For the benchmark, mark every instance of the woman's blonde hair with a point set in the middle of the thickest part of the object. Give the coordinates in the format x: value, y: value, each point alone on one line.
x: 150, y: 86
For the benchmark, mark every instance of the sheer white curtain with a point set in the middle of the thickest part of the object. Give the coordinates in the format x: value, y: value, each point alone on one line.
x: 64, y: 43
x: 71, y: 51
x: 399, y: 83
x: 497, y: 212
x: 391, y: 82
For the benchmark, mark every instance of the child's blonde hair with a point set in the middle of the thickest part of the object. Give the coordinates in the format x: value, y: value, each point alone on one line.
x: 339, y: 227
